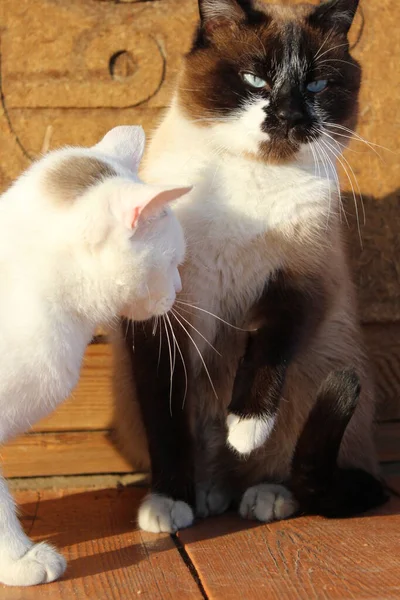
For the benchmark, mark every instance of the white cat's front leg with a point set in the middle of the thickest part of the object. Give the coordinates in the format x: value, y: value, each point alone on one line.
x: 22, y: 562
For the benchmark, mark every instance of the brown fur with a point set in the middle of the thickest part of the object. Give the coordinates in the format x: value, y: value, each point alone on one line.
x: 72, y: 176
x: 234, y: 49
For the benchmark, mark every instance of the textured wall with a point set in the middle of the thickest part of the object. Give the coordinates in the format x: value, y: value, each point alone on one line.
x: 72, y: 70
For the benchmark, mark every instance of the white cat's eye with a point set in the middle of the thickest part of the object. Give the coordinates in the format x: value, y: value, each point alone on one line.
x: 253, y: 80
x: 317, y: 86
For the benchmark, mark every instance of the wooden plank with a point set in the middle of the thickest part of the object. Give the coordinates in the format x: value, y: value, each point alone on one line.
x: 90, y: 406
x: 78, y: 453
x: 108, y: 558
x: 384, y: 351
x: 43, y: 454
x: 299, y: 559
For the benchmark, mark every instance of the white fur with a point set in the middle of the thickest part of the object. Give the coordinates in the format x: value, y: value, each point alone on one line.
x: 159, y: 514
x: 245, y: 435
x: 267, y: 502
x: 67, y: 266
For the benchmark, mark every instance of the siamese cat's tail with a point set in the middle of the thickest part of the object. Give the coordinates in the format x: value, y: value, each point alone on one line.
x: 318, y: 484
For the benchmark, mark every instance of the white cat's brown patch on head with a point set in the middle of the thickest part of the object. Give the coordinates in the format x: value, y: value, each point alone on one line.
x: 73, y: 175
x: 271, y: 75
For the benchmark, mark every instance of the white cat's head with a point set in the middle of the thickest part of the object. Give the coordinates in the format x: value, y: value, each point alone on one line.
x: 124, y: 241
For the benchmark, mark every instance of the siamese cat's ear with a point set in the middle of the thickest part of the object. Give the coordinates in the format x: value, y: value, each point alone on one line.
x: 217, y: 13
x: 336, y: 15
x: 124, y: 143
x: 143, y: 201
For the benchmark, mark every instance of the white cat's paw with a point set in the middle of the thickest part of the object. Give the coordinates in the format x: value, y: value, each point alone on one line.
x: 211, y: 499
x: 162, y: 514
x: 267, y: 502
x: 41, y: 564
x: 245, y: 435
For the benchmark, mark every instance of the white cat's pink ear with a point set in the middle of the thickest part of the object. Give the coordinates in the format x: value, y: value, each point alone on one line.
x: 151, y: 199
x: 125, y: 144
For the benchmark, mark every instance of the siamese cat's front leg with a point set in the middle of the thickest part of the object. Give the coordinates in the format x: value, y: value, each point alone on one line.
x: 280, y: 324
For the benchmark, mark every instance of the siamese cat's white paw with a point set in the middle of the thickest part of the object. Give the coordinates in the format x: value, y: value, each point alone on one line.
x: 267, y: 502
x: 41, y: 564
x: 160, y: 514
x: 211, y: 499
x: 246, y: 435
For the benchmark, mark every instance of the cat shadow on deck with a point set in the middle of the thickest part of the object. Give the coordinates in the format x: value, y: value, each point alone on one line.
x: 105, y: 522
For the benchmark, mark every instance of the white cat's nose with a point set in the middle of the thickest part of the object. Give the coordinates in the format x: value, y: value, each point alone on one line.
x: 177, y: 282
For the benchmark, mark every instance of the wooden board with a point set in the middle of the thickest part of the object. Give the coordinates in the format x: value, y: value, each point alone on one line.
x: 90, y: 406
x: 299, y: 559
x: 80, y: 453
x: 108, y: 558
x: 224, y: 558
x: 40, y: 454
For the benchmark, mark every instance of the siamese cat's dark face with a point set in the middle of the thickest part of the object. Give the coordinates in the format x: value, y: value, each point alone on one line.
x: 269, y: 78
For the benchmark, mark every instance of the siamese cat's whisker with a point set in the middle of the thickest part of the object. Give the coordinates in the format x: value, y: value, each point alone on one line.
x: 170, y: 365
x: 342, y: 147
x: 336, y: 179
x: 174, y: 310
x: 182, y: 359
x: 330, y: 192
x: 198, y: 352
x: 357, y: 136
x: 213, y: 315
x: 346, y: 62
x: 316, y: 164
x: 317, y: 56
x: 325, y: 41
x: 343, y: 164
x: 339, y: 191
x: 352, y: 171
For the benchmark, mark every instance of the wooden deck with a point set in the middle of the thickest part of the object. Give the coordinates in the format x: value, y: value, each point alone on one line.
x: 222, y: 558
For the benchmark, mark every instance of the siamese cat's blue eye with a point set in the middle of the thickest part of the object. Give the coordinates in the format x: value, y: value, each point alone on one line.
x: 253, y: 80
x: 317, y: 86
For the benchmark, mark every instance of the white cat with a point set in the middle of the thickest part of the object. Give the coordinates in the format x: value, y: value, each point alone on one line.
x: 82, y: 240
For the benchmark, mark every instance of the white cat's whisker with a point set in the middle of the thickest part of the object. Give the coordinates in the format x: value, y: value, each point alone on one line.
x: 170, y: 365
x: 198, y: 352
x: 182, y: 359
x: 213, y: 315
x: 174, y: 310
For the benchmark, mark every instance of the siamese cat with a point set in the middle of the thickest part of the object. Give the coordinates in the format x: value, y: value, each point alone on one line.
x: 262, y: 108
